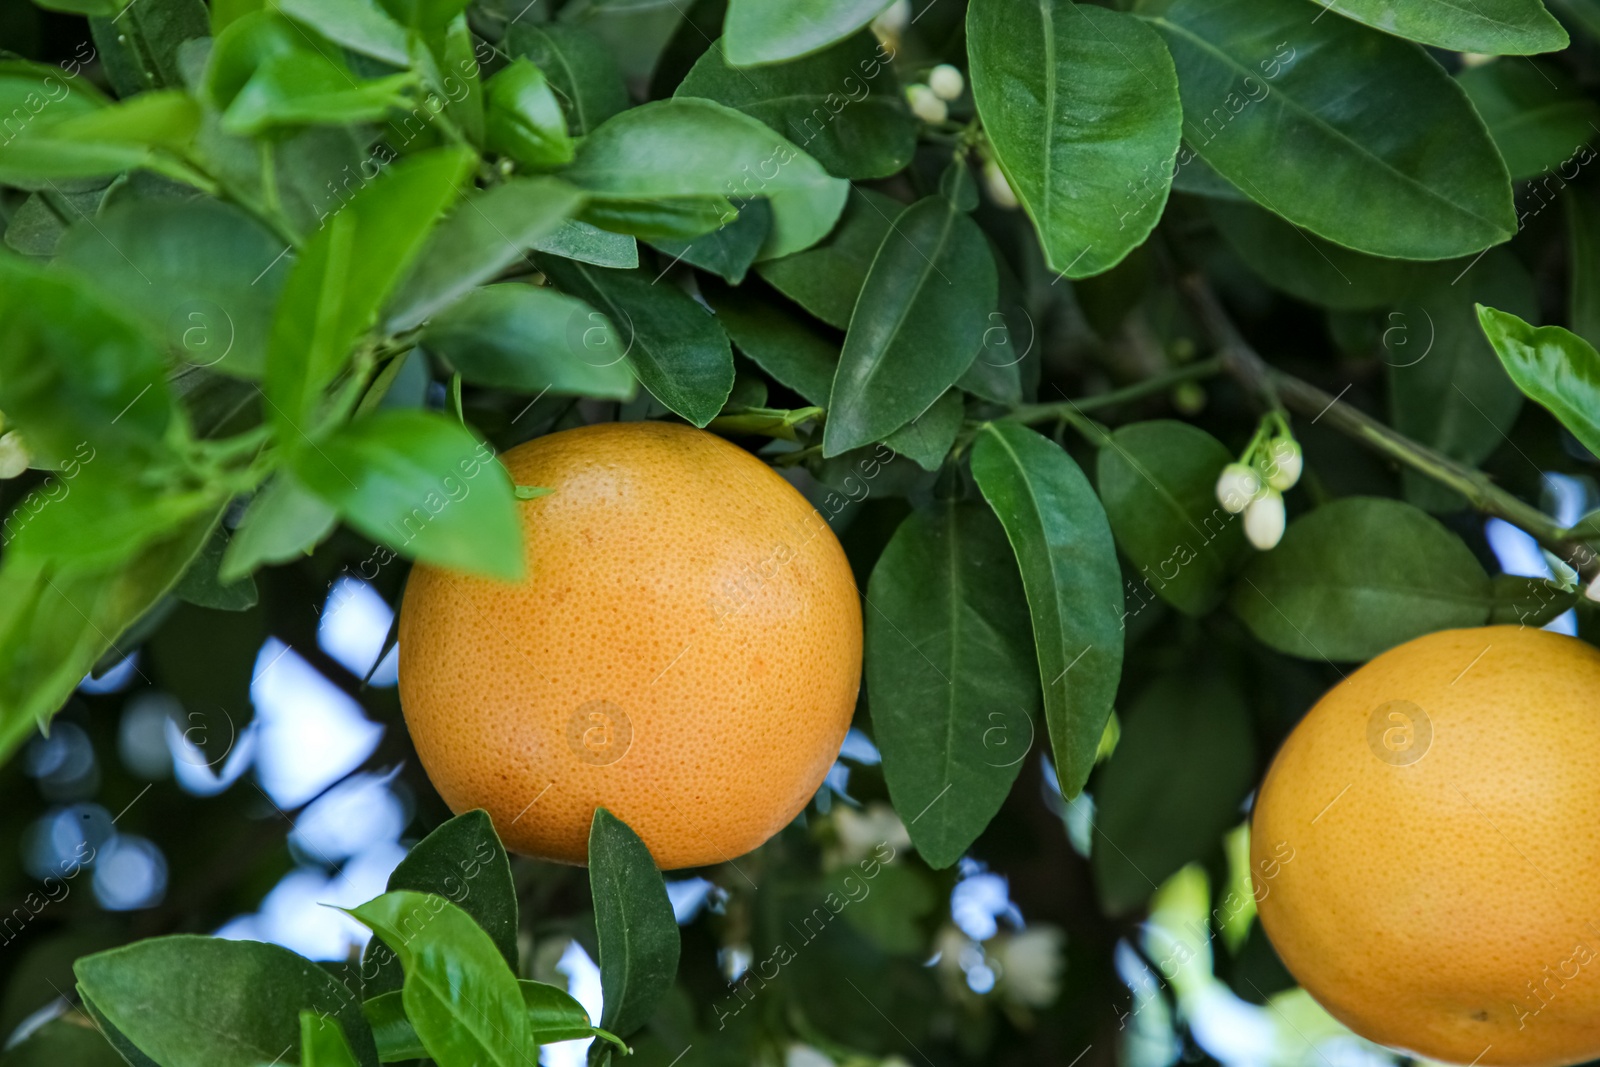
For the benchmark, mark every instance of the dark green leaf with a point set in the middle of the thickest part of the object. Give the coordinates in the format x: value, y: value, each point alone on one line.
x: 524, y: 118
x: 1537, y: 114
x: 581, y: 70
x: 1583, y: 250
x: 1523, y: 601
x: 676, y: 348
x: 926, y: 439
x: 459, y: 994
x: 728, y: 250
x: 283, y: 522
x: 827, y: 278
x: 633, y: 921
x: 71, y: 1041
x: 842, y: 105
x: 1359, y: 576
x: 1498, y: 27
x: 1553, y: 366
x: 1261, y: 81
x: 951, y: 678
x: 201, y: 585
x: 1062, y: 541
x: 138, y: 48
x: 1184, y: 762
x: 205, y: 1002
x: 779, y: 341
x: 757, y: 32
x: 1081, y: 106
x: 1158, y: 483
x: 916, y: 328
x: 531, y: 339
x: 422, y: 484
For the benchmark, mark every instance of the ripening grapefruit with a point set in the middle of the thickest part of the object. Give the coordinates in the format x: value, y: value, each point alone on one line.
x: 684, y: 651
x: 1440, y: 814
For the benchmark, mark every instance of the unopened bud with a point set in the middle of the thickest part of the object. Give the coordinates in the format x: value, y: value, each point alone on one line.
x: 946, y: 82
x: 14, y: 456
x: 925, y: 105
x: 1237, y: 485
x: 893, y: 22
x: 1284, y: 463
x: 1264, y: 520
x: 1000, y: 191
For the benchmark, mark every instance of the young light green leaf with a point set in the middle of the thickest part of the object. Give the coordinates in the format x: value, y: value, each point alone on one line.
x: 459, y: 994
x: 102, y: 518
x: 1433, y: 183
x: 1357, y: 577
x: 1062, y: 541
x: 422, y: 484
x: 1173, y: 787
x: 1081, y: 105
x: 757, y: 32
x: 1496, y: 27
x: 1553, y: 366
x: 322, y: 1043
x: 553, y: 1014
x: 926, y: 439
x: 1158, y: 483
x: 205, y: 1002
x: 524, y: 118
x: 283, y: 522
x: 360, y: 25
x: 691, y: 149
x: 532, y: 339
x: 826, y: 279
x: 580, y: 67
x: 951, y: 678
x: 633, y: 921
x: 676, y: 348
x: 842, y: 105
x: 917, y: 326
x: 1538, y: 115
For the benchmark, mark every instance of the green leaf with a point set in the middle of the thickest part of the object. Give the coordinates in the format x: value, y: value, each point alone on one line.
x: 757, y: 32
x: 524, y: 118
x: 359, y: 25
x: 322, y: 1043
x: 553, y: 1014
x: 580, y: 67
x: 138, y: 48
x: 826, y: 279
x: 429, y: 16
x: 1583, y: 251
x: 459, y: 993
x: 56, y: 130
x: 1081, y: 106
x: 103, y: 518
x: 1062, y: 541
x: 205, y: 1002
x: 676, y: 348
x: 1552, y: 366
x: 1527, y: 601
x: 202, y: 586
x: 71, y: 1040
x: 1538, y: 115
x: 201, y: 275
x: 916, y: 328
x: 1359, y: 576
x: 674, y: 150
x: 633, y: 920
x: 951, y: 679
x: 842, y: 105
x: 485, y: 234
x: 1182, y: 767
x: 1158, y: 481
x: 422, y: 484
x: 730, y: 249
x: 346, y: 272
x: 283, y: 522
x: 530, y: 339
x: 585, y: 243
x: 674, y: 218
x: 926, y: 439
x: 1261, y: 81
x: 779, y: 341
x: 1497, y: 27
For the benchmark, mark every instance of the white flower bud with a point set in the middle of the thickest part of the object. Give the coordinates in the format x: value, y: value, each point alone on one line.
x: 1000, y: 191
x: 925, y: 105
x: 1284, y: 463
x: 946, y: 82
x: 14, y: 456
x: 893, y: 22
x: 1237, y: 485
x: 1264, y: 519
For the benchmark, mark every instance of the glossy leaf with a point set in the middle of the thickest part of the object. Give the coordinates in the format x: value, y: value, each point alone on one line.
x: 1553, y: 366
x: 826, y: 279
x: 205, y: 1002
x: 459, y: 994
x: 1359, y: 576
x: 757, y: 32
x: 585, y: 243
x: 1062, y: 541
x: 926, y: 439
x: 1538, y: 115
x: 524, y: 121
x: 951, y: 678
x: 423, y: 485
x: 1081, y: 105
x: 1497, y: 27
x: 1158, y: 481
x: 360, y: 25
x: 691, y: 149
x: 322, y: 1043
x: 1261, y: 81
x: 580, y: 67
x: 283, y: 522
x: 531, y: 339
x: 633, y: 921
x: 730, y: 249
x: 917, y: 326
x: 779, y: 341
x: 676, y: 348
x: 553, y: 1014
x: 842, y: 105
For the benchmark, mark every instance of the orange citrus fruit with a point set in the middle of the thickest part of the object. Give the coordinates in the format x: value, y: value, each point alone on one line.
x: 684, y: 651
x: 1426, y: 848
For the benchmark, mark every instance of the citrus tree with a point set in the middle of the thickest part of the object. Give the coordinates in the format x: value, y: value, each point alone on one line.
x: 1148, y: 365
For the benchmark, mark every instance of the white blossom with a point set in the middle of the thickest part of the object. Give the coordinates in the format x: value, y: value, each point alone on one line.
x: 1237, y: 485
x: 1264, y: 520
x: 946, y: 82
x: 925, y: 104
